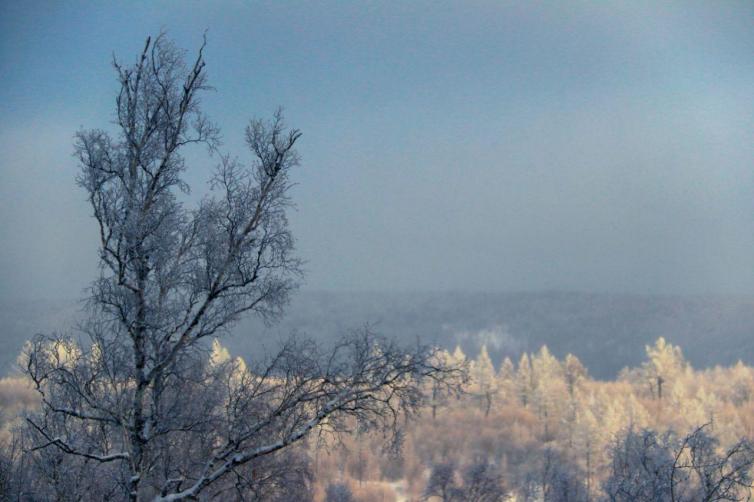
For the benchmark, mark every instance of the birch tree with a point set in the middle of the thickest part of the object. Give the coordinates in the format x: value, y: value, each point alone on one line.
x: 135, y: 401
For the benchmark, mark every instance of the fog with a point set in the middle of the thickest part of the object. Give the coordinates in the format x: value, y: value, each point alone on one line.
x: 447, y: 146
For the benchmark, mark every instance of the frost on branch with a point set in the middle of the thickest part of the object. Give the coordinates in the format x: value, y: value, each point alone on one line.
x: 138, y: 399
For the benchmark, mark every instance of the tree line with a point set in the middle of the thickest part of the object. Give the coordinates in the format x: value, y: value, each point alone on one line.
x: 141, y: 402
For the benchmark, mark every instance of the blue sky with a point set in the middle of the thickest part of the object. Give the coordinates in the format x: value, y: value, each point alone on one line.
x: 595, y: 146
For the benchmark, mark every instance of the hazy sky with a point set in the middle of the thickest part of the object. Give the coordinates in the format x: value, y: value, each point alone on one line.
x: 600, y: 146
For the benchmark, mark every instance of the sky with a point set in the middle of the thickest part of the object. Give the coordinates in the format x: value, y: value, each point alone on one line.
x: 495, y: 146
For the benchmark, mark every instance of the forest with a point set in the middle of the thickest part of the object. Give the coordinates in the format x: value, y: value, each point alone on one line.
x: 538, y: 428
x: 382, y: 252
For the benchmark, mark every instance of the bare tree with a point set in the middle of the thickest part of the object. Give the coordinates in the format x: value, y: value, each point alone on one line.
x: 481, y: 483
x: 141, y: 402
x: 551, y: 476
x: 442, y: 482
x: 710, y: 475
x: 647, y: 466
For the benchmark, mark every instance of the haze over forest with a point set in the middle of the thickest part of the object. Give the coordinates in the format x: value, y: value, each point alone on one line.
x: 377, y: 252
x: 606, y: 331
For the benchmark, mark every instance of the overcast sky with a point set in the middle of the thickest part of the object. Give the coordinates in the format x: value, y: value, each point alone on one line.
x: 593, y: 146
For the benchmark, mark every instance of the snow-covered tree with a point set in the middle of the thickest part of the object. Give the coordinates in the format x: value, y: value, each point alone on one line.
x: 458, y: 356
x: 742, y: 384
x: 584, y: 444
x: 574, y: 372
x: 442, y: 482
x: 642, y: 464
x: 549, y: 388
x: 482, y: 373
x: 525, y: 380
x: 664, y: 364
x: 478, y: 482
x: 506, y: 381
x: 142, y: 401
x: 650, y: 466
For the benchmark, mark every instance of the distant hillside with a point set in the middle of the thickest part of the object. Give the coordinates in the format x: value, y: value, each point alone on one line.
x: 606, y: 331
